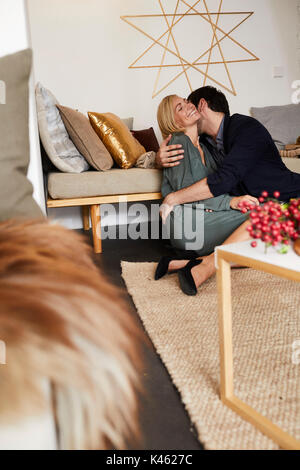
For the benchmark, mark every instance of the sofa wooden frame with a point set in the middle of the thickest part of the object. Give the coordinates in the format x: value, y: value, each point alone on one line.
x: 91, y: 209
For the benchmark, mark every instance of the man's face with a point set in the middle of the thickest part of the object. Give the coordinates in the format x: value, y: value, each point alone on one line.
x: 201, y: 121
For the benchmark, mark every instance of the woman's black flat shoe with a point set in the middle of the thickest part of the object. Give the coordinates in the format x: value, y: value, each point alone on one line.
x: 186, y: 279
x: 163, y: 266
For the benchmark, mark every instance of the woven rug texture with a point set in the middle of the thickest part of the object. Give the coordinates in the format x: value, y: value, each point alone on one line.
x: 184, y: 331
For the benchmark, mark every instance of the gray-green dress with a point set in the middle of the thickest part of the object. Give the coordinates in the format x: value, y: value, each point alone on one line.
x: 190, y: 226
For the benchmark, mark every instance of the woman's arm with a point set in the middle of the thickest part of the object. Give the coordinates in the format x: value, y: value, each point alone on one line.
x: 168, y: 203
x: 166, y: 187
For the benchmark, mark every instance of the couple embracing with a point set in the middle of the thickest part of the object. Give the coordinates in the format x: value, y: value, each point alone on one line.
x: 211, y: 163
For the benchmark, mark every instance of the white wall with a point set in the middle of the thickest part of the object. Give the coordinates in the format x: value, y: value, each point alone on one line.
x: 14, y: 36
x: 83, y: 50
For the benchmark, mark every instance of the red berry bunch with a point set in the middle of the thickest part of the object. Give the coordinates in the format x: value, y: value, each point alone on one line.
x: 274, y: 223
x: 293, y: 213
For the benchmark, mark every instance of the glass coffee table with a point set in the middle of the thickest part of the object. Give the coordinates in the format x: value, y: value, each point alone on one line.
x: 286, y: 266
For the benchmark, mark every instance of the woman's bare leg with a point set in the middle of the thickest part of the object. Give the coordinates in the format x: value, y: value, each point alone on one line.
x: 207, y: 268
x: 180, y: 263
x: 177, y: 264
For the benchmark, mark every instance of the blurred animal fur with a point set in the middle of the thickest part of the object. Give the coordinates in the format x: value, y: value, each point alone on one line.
x: 64, y: 322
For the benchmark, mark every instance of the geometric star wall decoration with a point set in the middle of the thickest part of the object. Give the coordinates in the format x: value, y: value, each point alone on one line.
x: 167, y: 42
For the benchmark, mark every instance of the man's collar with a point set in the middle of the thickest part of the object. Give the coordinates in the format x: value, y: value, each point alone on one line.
x: 221, y: 131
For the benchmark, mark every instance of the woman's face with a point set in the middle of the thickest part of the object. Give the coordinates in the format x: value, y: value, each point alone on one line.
x: 185, y: 113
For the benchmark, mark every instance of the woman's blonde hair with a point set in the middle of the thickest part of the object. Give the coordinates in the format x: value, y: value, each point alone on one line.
x: 165, y: 117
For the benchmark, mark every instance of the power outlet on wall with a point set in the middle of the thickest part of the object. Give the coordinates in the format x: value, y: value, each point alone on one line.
x: 278, y: 71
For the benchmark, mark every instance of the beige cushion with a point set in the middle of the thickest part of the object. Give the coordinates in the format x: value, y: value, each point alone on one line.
x: 128, y: 122
x: 56, y: 141
x: 292, y: 164
x: 85, y: 138
x: 94, y: 183
x: 15, y: 189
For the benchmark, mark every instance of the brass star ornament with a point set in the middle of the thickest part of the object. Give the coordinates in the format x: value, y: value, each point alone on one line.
x: 217, y: 43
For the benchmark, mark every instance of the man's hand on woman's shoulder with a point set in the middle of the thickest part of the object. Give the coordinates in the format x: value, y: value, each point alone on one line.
x: 169, y: 155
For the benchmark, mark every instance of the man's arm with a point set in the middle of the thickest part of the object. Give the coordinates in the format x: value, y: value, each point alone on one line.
x: 243, y: 156
x: 168, y: 155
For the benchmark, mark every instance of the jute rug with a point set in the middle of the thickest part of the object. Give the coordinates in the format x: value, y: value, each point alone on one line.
x: 184, y: 331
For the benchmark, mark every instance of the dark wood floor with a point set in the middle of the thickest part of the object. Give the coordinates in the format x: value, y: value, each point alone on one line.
x: 164, y: 421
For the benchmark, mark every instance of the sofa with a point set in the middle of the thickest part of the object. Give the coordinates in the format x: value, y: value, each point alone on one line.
x: 89, y: 176
x: 90, y: 189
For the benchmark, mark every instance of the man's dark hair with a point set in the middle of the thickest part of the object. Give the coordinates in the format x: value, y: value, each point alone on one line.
x: 215, y: 99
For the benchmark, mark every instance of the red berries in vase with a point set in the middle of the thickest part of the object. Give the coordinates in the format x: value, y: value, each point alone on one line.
x: 275, y: 223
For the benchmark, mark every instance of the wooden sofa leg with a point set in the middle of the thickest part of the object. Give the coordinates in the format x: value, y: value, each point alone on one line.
x: 96, y: 227
x: 86, y: 217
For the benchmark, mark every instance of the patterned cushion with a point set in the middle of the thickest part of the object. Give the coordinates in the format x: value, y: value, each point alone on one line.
x: 57, y: 144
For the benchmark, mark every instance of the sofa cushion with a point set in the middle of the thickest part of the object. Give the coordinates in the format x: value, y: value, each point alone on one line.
x: 118, y: 140
x: 147, y: 139
x: 110, y: 182
x: 128, y: 122
x: 292, y: 164
x: 147, y: 160
x: 283, y: 122
x: 56, y: 142
x: 15, y: 189
x: 85, y: 138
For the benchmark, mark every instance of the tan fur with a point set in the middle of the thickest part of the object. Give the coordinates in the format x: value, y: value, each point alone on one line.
x: 63, y: 321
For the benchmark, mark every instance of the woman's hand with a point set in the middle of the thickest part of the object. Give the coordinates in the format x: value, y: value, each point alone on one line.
x: 167, y: 207
x: 235, y: 201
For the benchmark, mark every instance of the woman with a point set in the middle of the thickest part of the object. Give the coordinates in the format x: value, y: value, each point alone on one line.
x: 220, y: 218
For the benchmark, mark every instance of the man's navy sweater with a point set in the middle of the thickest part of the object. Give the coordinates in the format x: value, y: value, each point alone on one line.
x: 252, y: 163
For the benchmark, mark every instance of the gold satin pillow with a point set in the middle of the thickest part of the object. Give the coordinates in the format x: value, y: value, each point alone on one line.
x: 117, y: 138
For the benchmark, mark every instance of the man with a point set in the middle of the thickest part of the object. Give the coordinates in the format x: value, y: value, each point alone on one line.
x: 248, y: 159
x: 248, y: 162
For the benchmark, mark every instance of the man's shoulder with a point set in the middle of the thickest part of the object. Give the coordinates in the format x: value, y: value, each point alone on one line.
x: 241, y: 122
x: 239, y: 119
